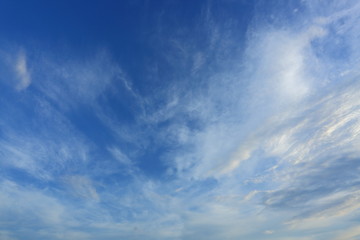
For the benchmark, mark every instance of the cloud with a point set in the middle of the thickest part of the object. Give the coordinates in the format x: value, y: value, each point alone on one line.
x: 269, y: 232
x: 299, y: 129
x: 29, y: 205
x: 22, y: 71
x: 15, y: 72
x: 278, y: 80
x: 82, y: 187
x: 45, y: 151
x: 6, y: 235
x: 70, y: 82
x: 120, y: 156
x: 258, y: 144
x: 351, y: 233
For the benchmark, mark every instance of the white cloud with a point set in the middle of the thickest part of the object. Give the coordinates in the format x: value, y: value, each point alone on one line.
x: 198, y: 62
x: 350, y: 234
x: 120, y: 156
x: 82, y: 187
x: 300, y: 126
x: 259, y: 147
x: 70, y: 82
x: 280, y: 80
x: 22, y: 71
x: 28, y: 205
x: 42, y: 155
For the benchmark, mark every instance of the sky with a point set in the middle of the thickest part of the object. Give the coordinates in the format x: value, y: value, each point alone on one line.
x: 179, y: 120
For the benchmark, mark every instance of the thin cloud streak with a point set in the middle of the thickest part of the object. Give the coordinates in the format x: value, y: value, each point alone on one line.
x: 22, y: 72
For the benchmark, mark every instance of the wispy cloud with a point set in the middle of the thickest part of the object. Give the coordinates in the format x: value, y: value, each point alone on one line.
x: 259, y: 138
x: 22, y: 71
x: 82, y: 187
x: 68, y: 82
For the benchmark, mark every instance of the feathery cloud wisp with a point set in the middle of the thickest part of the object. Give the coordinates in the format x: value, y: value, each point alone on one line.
x: 22, y: 71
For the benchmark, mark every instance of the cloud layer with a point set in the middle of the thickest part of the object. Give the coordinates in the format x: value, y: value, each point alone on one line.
x: 252, y: 133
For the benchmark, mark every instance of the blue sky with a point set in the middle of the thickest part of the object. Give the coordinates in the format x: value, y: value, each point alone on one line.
x: 174, y: 120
